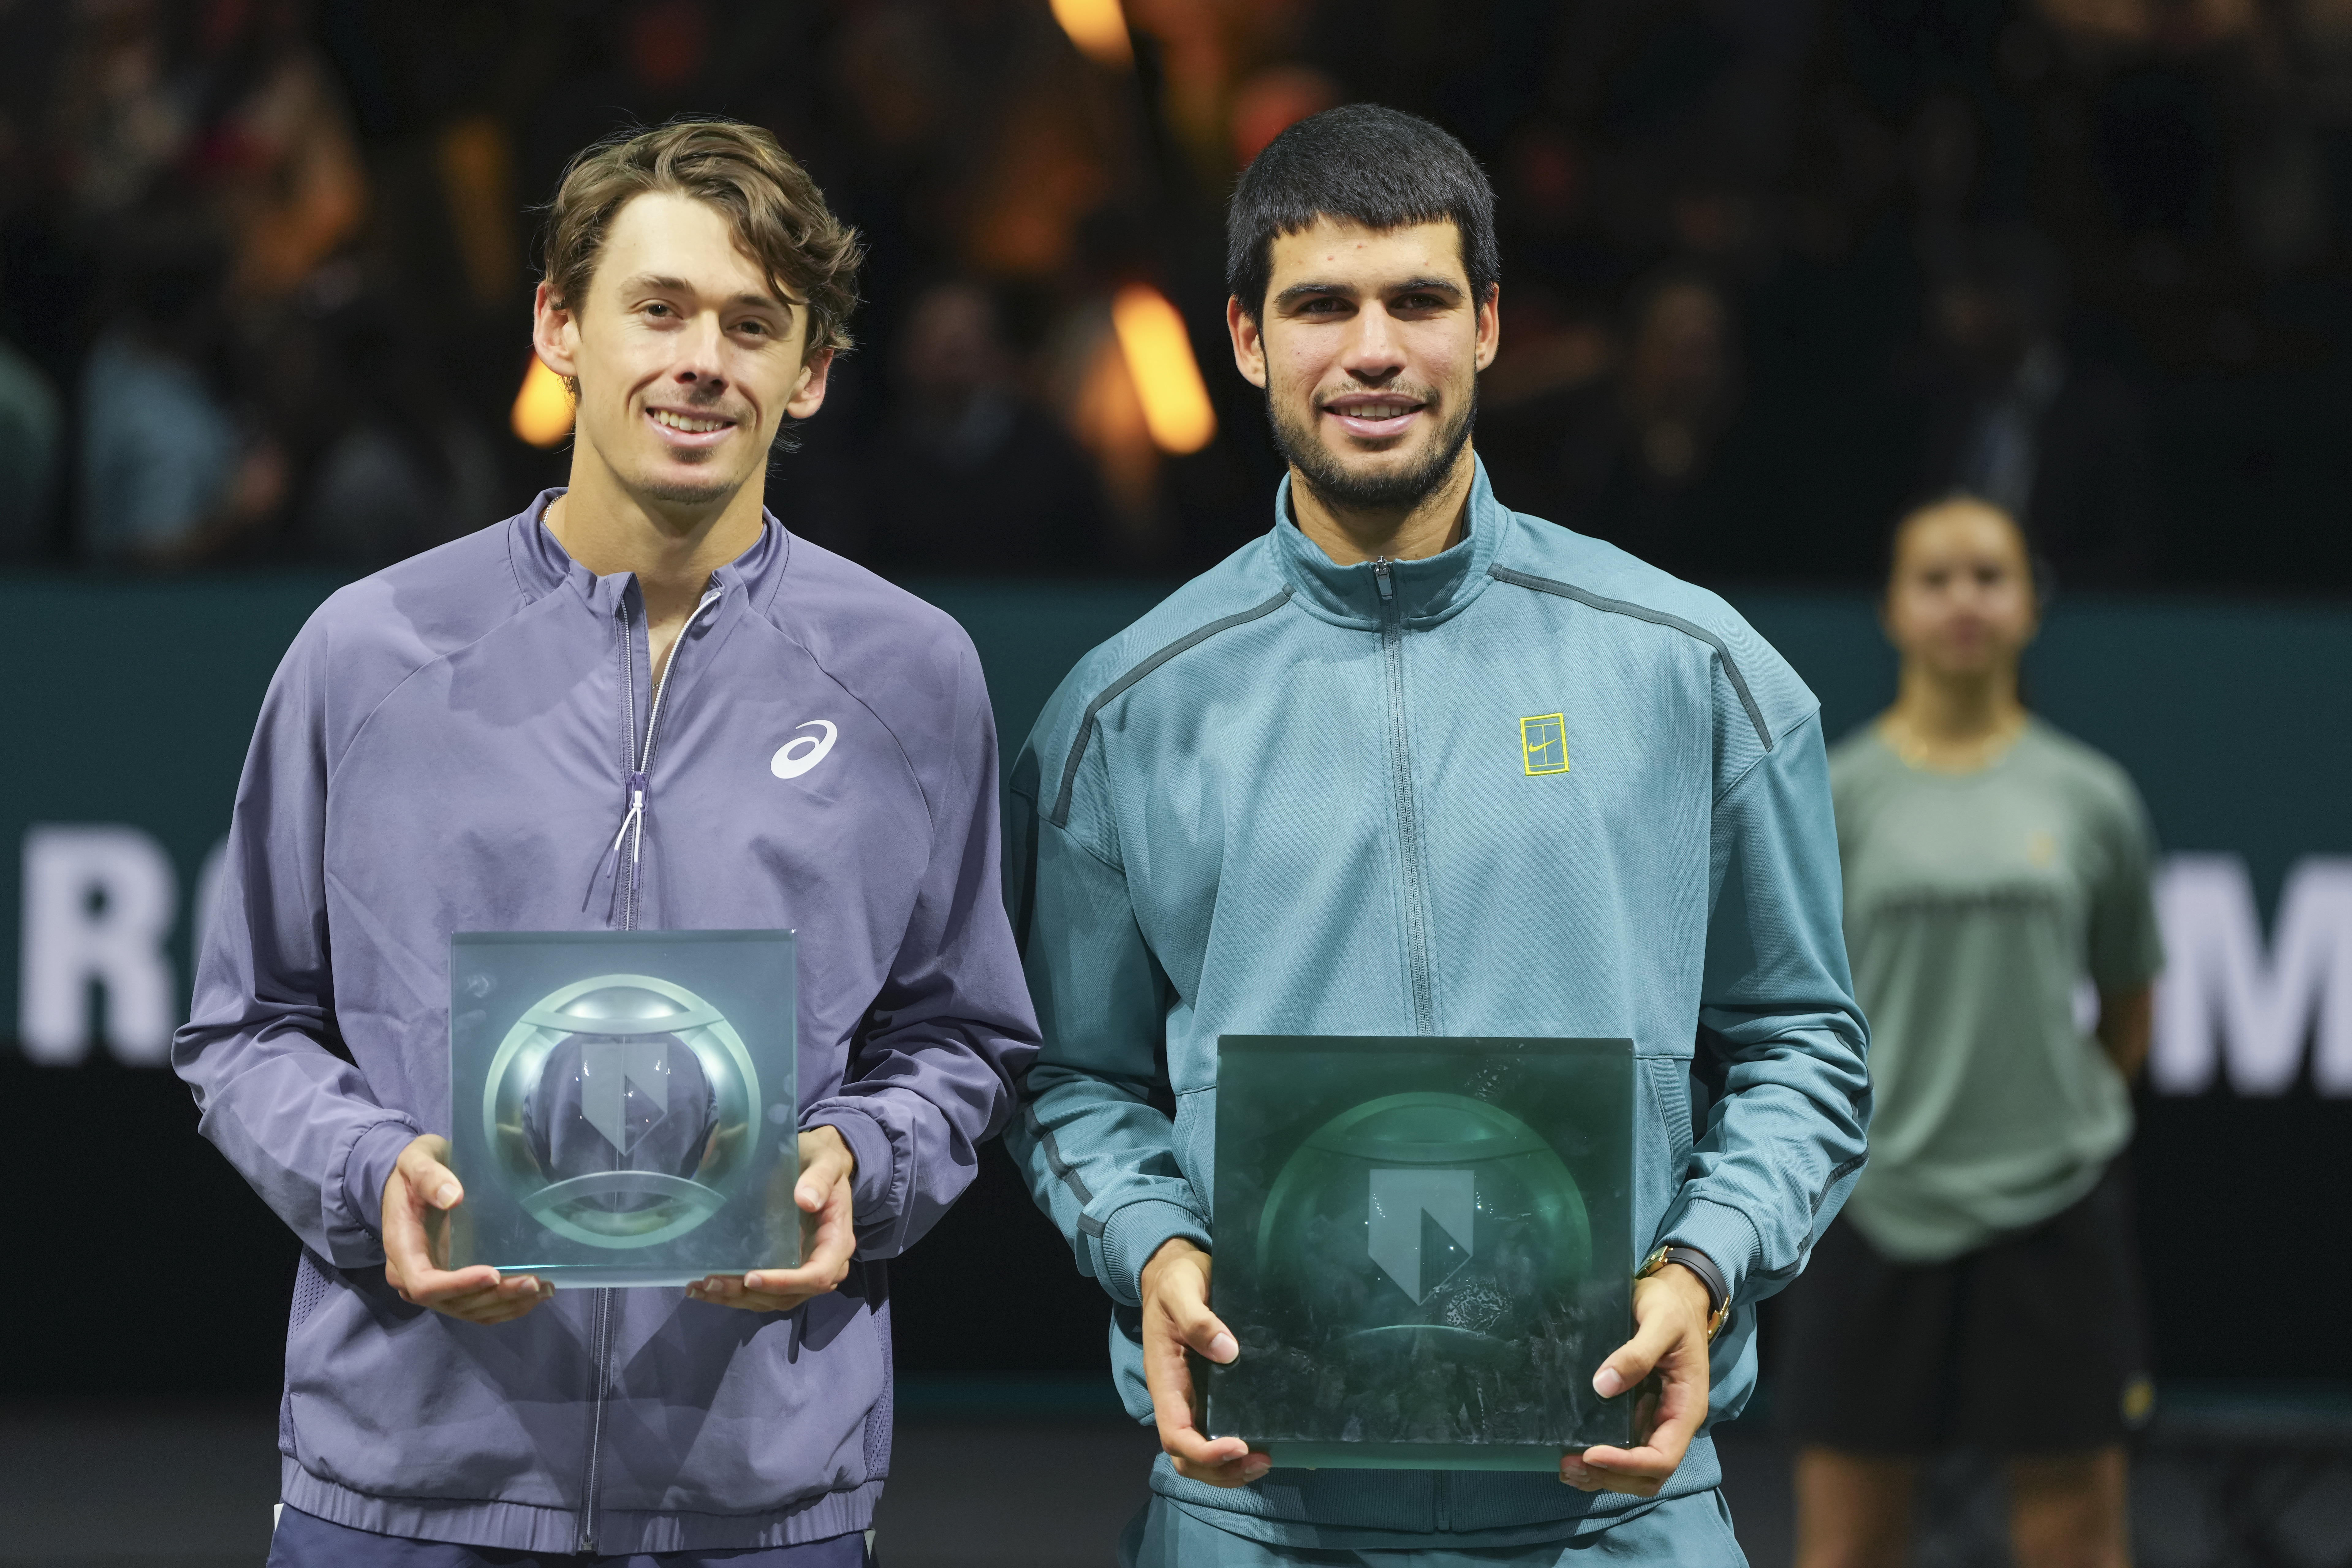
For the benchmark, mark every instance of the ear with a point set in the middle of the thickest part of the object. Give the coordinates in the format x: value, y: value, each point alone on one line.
x: 554, y: 335
x: 808, y: 392
x: 1249, y: 341
x: 1490, y: 326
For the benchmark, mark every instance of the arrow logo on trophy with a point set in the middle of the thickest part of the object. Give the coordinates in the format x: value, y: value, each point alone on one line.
x: 1421, y: 1222
x: 608, y: 1070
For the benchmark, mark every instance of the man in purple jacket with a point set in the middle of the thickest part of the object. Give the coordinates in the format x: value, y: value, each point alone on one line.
x: 643, y: 687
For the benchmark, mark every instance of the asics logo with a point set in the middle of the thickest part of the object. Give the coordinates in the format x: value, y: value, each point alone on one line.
x: 802, y: 752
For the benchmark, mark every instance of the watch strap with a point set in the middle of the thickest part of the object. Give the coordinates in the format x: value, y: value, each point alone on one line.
x: 1719, y: 1289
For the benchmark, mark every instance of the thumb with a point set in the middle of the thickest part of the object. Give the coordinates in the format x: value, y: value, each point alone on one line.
x: 432, y: 1180
x: 818, y: 1178
x: 1633, y: 1361
x: 1201, y: 1330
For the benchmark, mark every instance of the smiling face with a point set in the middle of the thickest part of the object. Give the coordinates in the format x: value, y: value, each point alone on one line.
x: 1369, y: 347
x: 1961, y: 600
x: 686, y: 357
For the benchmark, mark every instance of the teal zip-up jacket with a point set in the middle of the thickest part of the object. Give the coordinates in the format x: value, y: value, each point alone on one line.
x: 1528, y: 785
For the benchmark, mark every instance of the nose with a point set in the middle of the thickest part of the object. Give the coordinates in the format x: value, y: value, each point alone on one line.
x: 701, y: 363
x: 1373, y: 354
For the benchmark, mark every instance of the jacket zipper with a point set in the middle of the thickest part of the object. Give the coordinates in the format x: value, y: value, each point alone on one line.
x: 1416, y: 908
x: 603, y: 1338
x: 632, y: 830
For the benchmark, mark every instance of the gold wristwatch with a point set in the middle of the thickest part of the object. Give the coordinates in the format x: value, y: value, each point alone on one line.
x: 1719, y: 1293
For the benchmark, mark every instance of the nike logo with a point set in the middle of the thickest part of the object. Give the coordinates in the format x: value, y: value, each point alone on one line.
x: 802, y: 752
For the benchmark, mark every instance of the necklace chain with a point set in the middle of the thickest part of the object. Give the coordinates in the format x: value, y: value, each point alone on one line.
x: 1913, y: 751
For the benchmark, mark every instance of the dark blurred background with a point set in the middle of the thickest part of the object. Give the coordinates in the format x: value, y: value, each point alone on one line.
x: 1771, y: 268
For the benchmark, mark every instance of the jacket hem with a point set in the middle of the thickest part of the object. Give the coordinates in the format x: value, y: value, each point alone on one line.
x: 1476, y: 1528
x: 530, y: 1527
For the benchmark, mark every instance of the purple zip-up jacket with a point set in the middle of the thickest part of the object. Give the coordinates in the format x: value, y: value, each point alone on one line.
x: 446, y: 748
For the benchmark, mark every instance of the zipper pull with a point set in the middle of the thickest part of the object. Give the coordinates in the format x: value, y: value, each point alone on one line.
x: 638, y: 792
x: 1381, y: 577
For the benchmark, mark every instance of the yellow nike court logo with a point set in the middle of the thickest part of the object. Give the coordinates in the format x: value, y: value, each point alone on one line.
x: 1543, y: 741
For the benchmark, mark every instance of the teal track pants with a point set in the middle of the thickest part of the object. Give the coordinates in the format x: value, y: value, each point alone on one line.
x: 1693, y: 1532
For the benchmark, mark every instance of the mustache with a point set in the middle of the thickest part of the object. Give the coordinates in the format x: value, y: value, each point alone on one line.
x: 1398, y: 392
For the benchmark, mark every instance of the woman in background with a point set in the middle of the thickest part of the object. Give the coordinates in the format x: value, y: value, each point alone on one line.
x: 1980, y: 1287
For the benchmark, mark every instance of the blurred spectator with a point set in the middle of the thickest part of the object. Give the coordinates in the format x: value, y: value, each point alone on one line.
x: 2059, y: 444
x: 231, y: 101
x: 29, y: 418
x: 169, y: 475
x: 1633, y: 458
x: 274, y: 152
x: 965, y: 476
x: 122, y: 118
x: 1676, y: 400
x: 405, y: 473
x: 651, y: 60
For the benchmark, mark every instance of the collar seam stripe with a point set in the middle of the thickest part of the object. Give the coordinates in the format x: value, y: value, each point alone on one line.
x: 1060, y: 816
x: 1655, y: 617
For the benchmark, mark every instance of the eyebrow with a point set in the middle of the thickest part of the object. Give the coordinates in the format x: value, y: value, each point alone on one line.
x: 680, y: 286
x: 1428, y: 285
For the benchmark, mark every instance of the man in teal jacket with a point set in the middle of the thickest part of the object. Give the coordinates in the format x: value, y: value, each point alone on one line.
x: 1411, y: 763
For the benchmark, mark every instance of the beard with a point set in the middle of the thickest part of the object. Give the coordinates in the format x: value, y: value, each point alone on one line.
x: 1400, y: 490
x: 690, y: 493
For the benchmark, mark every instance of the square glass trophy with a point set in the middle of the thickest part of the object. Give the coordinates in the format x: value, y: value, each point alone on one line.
x: 623, y: 1107
x: 1425, y: 1247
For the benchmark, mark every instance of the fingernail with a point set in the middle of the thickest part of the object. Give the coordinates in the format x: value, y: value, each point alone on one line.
x: 1607, y: 1383
x: 1572, y: 1471
x: 1222, y: 1348
x: 445, y: 1196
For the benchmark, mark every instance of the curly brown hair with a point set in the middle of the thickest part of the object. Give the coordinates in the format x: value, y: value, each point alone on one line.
x: 778, y: 215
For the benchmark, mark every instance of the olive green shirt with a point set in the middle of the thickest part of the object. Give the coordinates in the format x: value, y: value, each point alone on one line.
x: 1975, y: 904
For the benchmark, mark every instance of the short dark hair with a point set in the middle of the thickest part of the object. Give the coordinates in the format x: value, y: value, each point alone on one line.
x: 1360, y: 163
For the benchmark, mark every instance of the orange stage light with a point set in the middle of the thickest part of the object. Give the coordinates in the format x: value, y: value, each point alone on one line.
x: 1159, y: 361
x: 1099, y: 28
x: 542, y: 409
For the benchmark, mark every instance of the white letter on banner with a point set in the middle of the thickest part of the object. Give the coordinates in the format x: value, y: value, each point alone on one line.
x: 99, y: 905
x: 2217, y: 974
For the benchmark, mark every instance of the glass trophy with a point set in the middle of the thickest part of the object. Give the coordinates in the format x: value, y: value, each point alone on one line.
x: 623, y: 1108
x: 1424, y: 1248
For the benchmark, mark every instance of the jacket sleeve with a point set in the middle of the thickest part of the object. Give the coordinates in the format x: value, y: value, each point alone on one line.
x: 1092, y: 1140
x: 932, y: 1071
x: 1782, y: 1044
x: 260, y: 1048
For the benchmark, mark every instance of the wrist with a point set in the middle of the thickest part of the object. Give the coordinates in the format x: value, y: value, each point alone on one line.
x: 840, y: 1142
x: 1174, y: 1251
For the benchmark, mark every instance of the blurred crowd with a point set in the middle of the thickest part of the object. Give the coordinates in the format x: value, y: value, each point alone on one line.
x: 1771, y: 268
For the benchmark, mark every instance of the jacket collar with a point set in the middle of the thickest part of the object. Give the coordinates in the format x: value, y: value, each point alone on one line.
x: 1427, y: 591
x: 542, y: 566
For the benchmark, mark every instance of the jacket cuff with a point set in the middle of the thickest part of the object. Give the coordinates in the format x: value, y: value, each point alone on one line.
x: 1134, y: 1232
x: 1727, y: 1236
x: 873, y: 1189
x: 355, y: 1205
